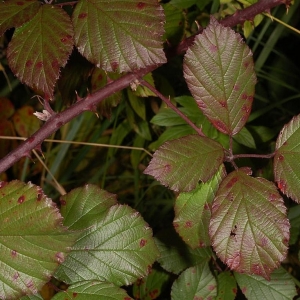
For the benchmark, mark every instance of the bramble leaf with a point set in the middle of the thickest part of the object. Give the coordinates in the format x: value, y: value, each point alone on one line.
x: 280, y: 286
x: 249, y: 229
x: 111, y: 34
x: 181, y: 163
x: 40, y: 47
x: 227, y: 288
x: 92, y: 290
x: 14, y: 13
x: 193, y: 211
x: 115, y: 239
x: 219, y: 71
x: 195, y: 283
x: 33, y: 241
x: 286, y: 160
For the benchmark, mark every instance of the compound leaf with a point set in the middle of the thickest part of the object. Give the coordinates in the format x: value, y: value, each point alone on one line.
x: 219, y: 71
x: 116, y: 239
x: 199, y: 157
x: 14, y: 13
x: 40, y: 47
x: 286, y: 160
x: 195, y: 283
x: 111, y: 34
x: 193, y: 211
x: 31, y: 234
x: 280, y: 286
x: 92, y: 290
x: 249, y: 229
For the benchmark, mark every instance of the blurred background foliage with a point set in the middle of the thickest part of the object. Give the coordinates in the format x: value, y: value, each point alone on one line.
x: 139, y: 119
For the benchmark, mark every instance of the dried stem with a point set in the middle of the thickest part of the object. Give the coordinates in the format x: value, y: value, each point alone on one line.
x: 90, y: 102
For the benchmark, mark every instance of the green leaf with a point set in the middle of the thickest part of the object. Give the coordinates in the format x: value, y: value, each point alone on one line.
x: 195, y: 283
x: 111, y: 34
x: 249, y: 229
x: 280, y: 286
x: 199, y: 156
x: 33, y: 241
x: 193, y: 211
x: 294, y: 217
x: 14, y: 13
x: 25, y: 122
x: 32, y: 297
x: 143, y: 91
x: 150, y: 287
x: 40, y: 47
x: 286, y: 160
x: 219, y: 71
x: 93, y: 290
x: 244, y: 137
x: 116, y: 240
x: 227, y: 288
x: 175, y: 255
x: 175, y: 24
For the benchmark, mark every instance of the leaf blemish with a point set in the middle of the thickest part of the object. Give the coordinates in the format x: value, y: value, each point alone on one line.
x: 28, y: 63
x: 232, y: 182
x: 20, y: 3
x: 223, y: 103
x: 143, y: 242
x: 82, y: 15
x: 213, y: 48
x: 114, y: 66
x: 21, y: 199
x: 16, y: 276
x: 74, y: 295
x: 63, y: 202
x: 281, y: 157
x: 59, y: 257
x: 236, y: 87
x: 39, y: 64
x: 13, y: 253
x: 188, y: 224
x: 141, y: 5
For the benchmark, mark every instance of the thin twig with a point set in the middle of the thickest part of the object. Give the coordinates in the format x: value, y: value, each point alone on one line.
x: 171, y: 105
x: 266, y: 156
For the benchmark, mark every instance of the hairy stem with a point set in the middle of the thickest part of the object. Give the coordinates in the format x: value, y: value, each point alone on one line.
x: 90, y: 102
x: 171, y: 105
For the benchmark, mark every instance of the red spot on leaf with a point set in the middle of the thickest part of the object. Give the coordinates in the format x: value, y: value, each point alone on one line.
x: 206, y: 206
x: 20, y: 3
x: 244, y: 290
x: 59, y: 257
x: 82, y: 16
x: 202, y: 244
x: 211, y: 287
x: 244, y: 96
x: 55, y: 64
x: 236, y: 87
x: 63, y: 202
x: 281, y: 157
x: 220, y: 126
x: 39, y: 64
x: 223, y: 103
x: 39, y: 197
x: 143, y: 242
x: 29, y: 284
x: 256, y: 269
x: 282, y: 185
x: 16, y: 276
x: 167, y: 168
x: 234, y: 290
x: 234, y: 261
x: 100, y: 77
x: 176, y: 225
x: 66, y: 38
x: 127, y: 298
x: 28, y: 63
x: 21, y: 199
x: 141, y: 5
x: 232, y: 182
x: 188, y: 224
x: 2, y: 184
x: 153, y: 294
x: 13, y: 253
x: 74, y: 295
x: 272, y: 197
x: 201, y: 105
x: 213, y: 48
x: 264, y: 242
x: 114, y: 66
x: 246, y: 64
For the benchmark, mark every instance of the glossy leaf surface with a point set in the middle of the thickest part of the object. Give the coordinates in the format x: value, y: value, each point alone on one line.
x: 219, y: 71
x: 40, y: 47
x: 93, y: 290
x: 280, y: 286
x: 31, y: 234
x: 195, y: 283
x: 14, y: 13
x: 175, y: 255
x: 181, y: 163
x: 193, y: 211
x: 116, y: 239
x: 286, y: 160
x: 249, y: 229
x: 111, y: 34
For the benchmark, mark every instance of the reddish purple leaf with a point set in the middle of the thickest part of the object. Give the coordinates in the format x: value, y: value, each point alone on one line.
x: 181, y: 163
x: 14, y: 13
x: 219, y: 71
x: 249, y: 229
x: 40, y: 47
x: 120, y: 35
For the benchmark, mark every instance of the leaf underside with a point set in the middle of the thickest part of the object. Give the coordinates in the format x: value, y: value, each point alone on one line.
x: 116, y: 245
x: 111, y: 34
x: 249, y: 229
x: 193, y: 211
x: 181, y: 163
x: 40, y: 47
x: 33, y: 241
x: 286, y: 160
x: 14, y: 13
x: 219, y: 71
